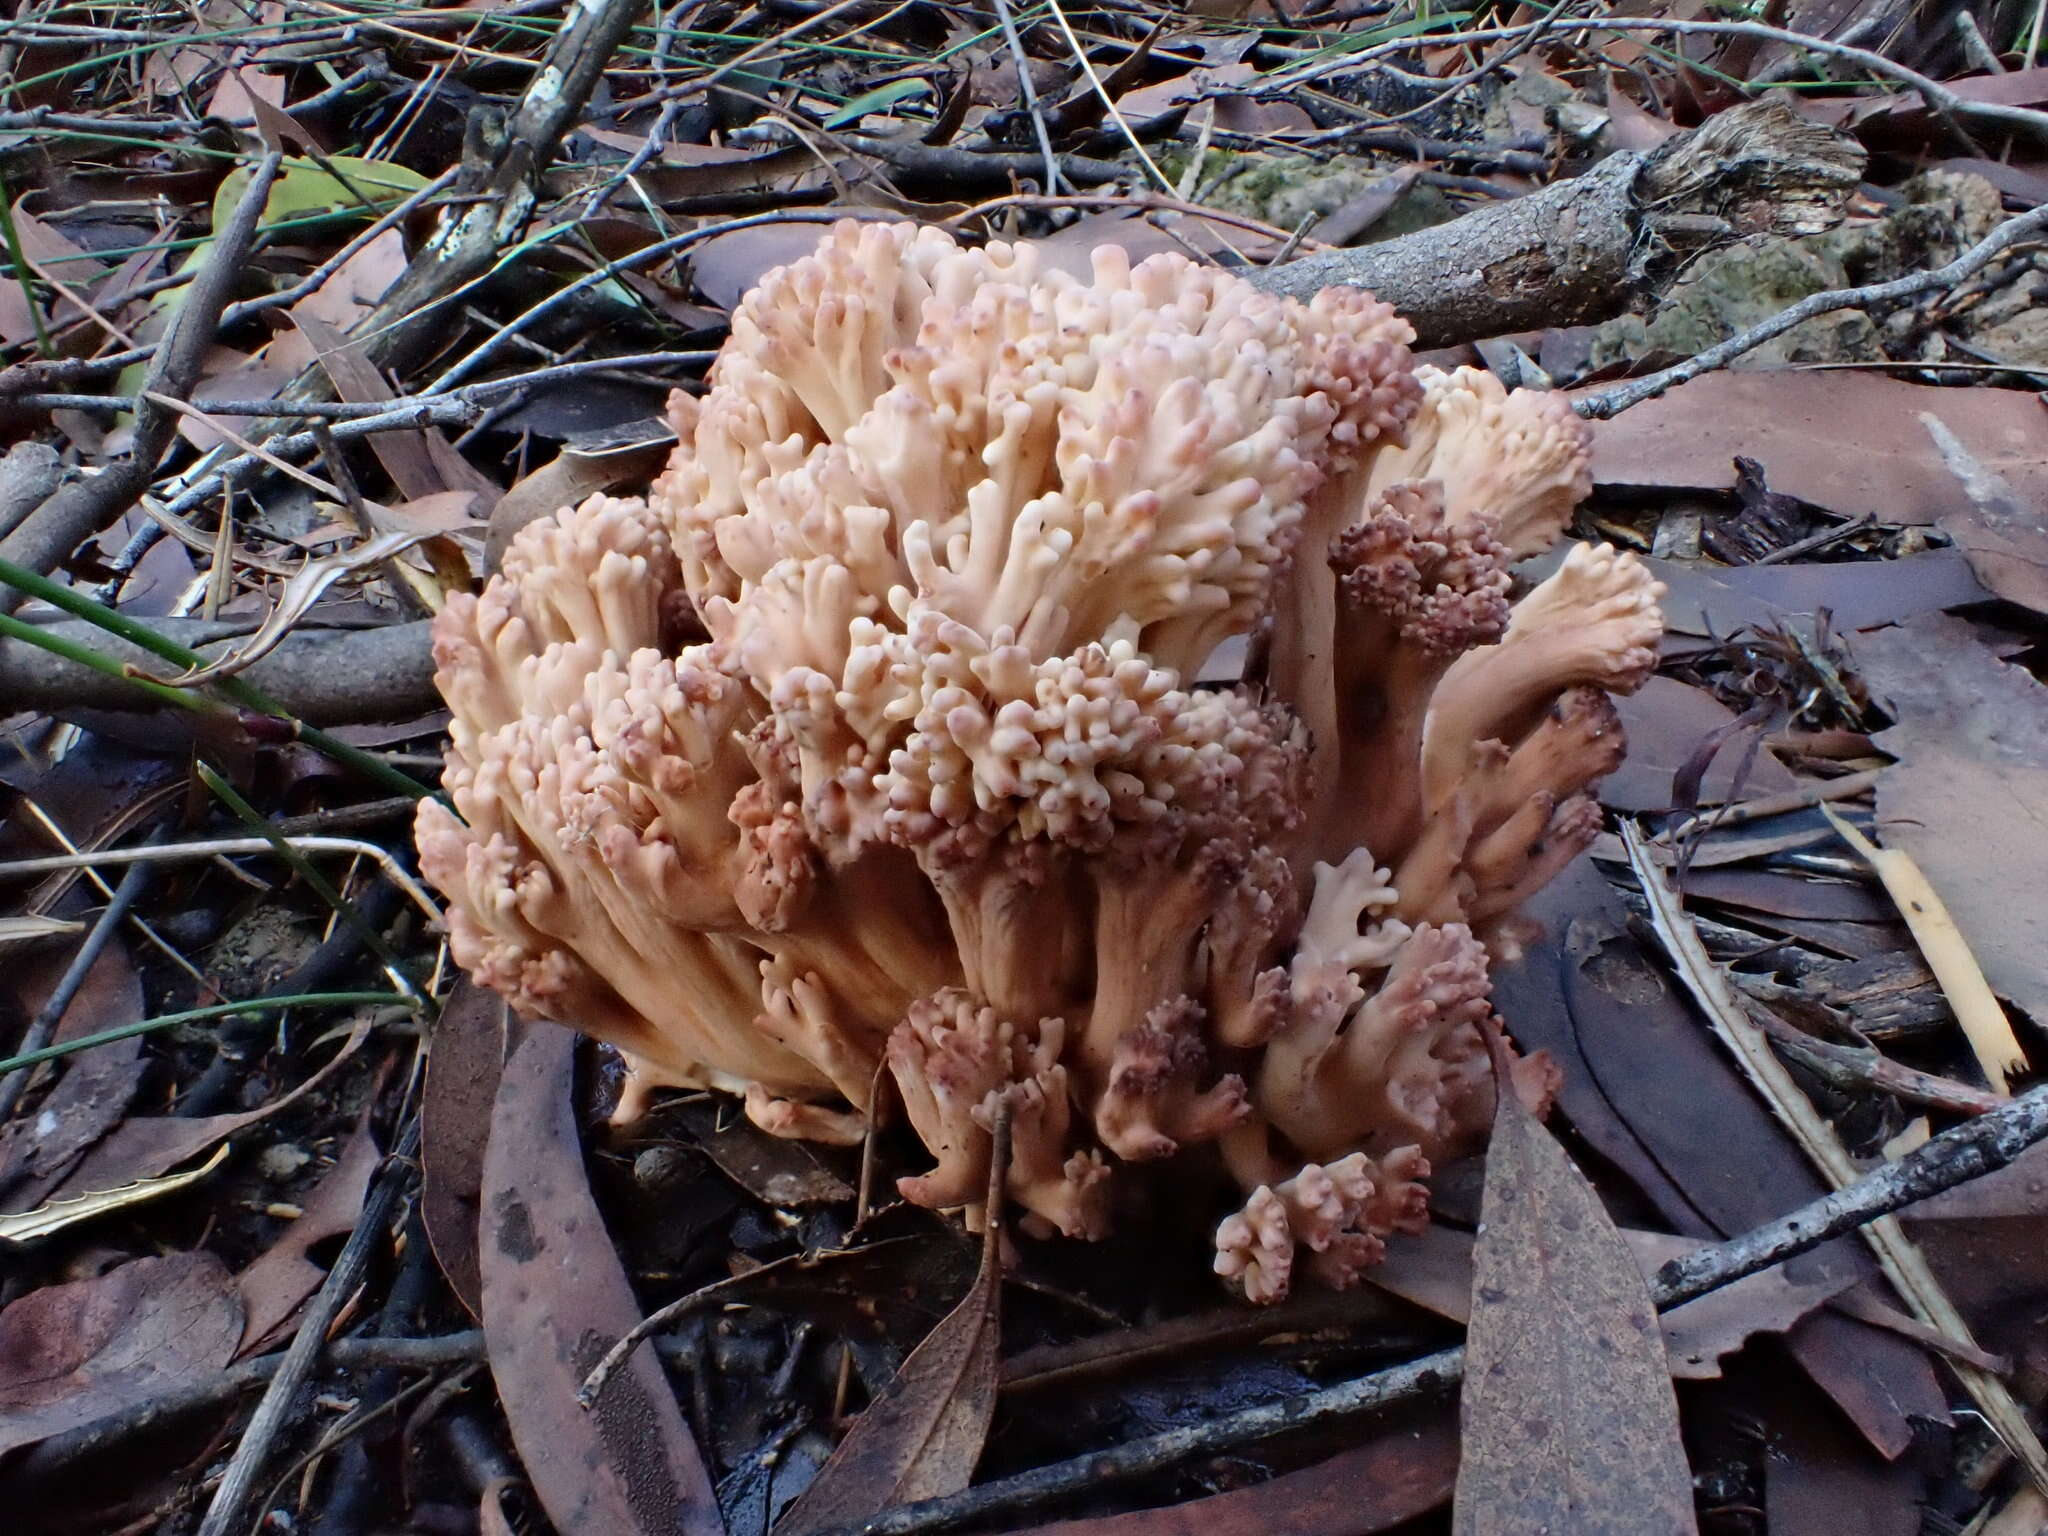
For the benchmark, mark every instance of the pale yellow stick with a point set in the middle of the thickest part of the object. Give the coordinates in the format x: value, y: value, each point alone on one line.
x: 1998, y: 1051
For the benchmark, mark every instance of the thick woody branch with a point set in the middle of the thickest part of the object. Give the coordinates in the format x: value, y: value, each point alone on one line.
x: 1582, y: 250
x: 322, y: 676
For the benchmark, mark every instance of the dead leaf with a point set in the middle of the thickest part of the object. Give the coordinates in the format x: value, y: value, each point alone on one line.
x: 146, y: 1146
x: 2005, y: 541
x: 234, y: 96
x: 726, y: 266
x: 773, y: 1169
x: 348, y: 294
x: 442, y: 512
x: 97, y: 1085
x: 56, y: 1215
x: 277, y: 1282
x: 1699, y: 1334
x: 555, y: 1298
x: 419, y: 460
x: 1570, y: 1423
x: 301, y: 591
x: 27, y: 928
x: 564, y: 481
x: 71, y: 1354
x: 1666, y: 722
x: 1968, y: 798
x: 922, y: 1437
x: 1845, y: 440
x: 1433, y: 1270
x: 465, y: 1058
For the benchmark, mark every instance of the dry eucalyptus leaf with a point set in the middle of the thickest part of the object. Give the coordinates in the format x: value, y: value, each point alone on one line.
x: 922, y: 1437
x: 1968, y: 798
x: 1847, y: 441
x: 1570, y: 1422
x: 555, y: 1298
x: 72, y: 1354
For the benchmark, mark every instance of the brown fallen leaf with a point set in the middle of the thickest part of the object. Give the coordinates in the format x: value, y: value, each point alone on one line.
x: 922, y: 1437
x: 1570, y: 1423
x: 773, y: 1169
x: 97, y: 1085
x: 277, y: 1281
x: 1848, y: 441
x: 1433, y: 1269
x: 420, y: 461
x: 1667, y: 721
x: 555, y: 1298
x: 1968, y: 797
x: 72, y: 1354
x: 144, y: 1146
x: 2004, y: 538
x: 564, y: 481
x: 465, y: 1058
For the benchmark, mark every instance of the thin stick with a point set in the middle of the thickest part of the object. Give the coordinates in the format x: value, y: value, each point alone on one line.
x: 77, y: 512
x: 1847, y: 787
x: 1029, y: 93
x: 228, y: 847
x: 225, y: 1513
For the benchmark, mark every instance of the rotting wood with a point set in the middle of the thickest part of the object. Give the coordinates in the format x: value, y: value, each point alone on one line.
x: 1582, y: 250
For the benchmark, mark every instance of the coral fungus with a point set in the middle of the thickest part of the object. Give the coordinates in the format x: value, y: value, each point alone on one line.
x: 872, y: 738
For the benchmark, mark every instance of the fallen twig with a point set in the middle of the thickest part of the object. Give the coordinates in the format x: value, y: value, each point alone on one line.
x: 1938, y: 96
x: 1582, y: 249
x: 1818, y: 792
x: 226, y: 1512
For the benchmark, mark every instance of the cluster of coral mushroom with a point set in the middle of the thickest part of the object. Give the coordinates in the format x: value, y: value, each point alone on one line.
x: 886, y: 733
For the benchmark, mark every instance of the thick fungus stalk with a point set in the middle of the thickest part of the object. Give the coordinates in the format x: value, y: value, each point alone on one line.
x: 870, y: 742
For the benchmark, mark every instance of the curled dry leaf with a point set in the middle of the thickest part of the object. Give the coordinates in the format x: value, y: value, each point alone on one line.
x: 300, y: 593
x: 1569, y: 1418
x: 27, y: 1226
x: 555, y: 1298
x: 922, y: 1437
x: 71, y: 1354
